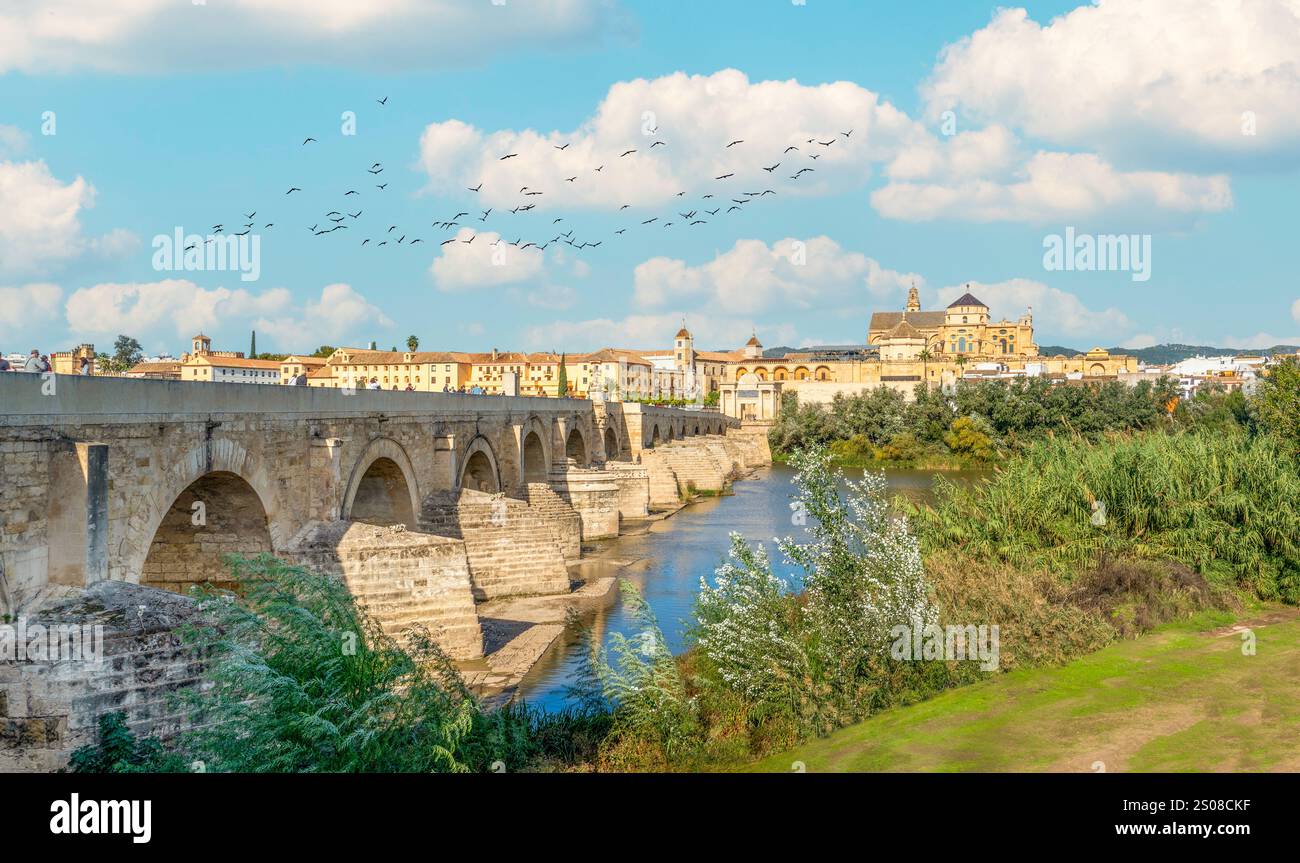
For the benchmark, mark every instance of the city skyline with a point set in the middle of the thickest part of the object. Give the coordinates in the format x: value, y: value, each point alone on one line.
x: 158, y: 129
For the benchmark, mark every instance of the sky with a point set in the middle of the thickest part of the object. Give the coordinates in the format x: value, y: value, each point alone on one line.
x: 966, y: 143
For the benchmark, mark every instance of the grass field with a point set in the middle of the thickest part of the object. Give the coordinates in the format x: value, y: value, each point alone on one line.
x: 1183, y: 698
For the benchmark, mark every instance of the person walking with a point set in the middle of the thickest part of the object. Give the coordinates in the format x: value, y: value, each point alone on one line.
x: 84, y: 368
x: 34, y: 363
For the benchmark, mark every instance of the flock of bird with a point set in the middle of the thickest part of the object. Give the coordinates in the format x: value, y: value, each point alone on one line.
x: 711, y: 206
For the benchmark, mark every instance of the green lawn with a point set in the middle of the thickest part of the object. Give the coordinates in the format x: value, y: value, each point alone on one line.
x: 1184, y: 698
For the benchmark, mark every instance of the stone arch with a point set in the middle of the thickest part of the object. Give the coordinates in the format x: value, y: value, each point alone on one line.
x: 217, y: 514
x: 575, y: 446
x: 741, y: 371
x: 218, y: 455
x: 761, y: 373
x: 671, y: 436
x: 479, y: 467
x: 801, y: 373
x: 781, y: 373
x: 822, y: 373
x: 697, y: 428
x: 612, y: 451
x: 382, y: 488
x: 655, y: 437
x: 536, y: 466
x: 1097, y: 369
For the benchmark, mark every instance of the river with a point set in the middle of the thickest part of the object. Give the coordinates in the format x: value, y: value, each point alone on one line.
x: 666, y: 560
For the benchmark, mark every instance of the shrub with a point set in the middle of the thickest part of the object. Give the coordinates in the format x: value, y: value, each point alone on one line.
x: 970, y: 438
x: 117, y: 750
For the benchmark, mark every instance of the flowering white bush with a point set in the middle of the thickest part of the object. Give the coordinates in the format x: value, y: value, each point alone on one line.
x: 862, y: 577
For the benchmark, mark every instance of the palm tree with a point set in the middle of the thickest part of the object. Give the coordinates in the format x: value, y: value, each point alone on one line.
x: 412, y: 343
x: 925, y: 356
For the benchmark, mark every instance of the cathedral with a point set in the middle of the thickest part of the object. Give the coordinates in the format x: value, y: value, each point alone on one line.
x: 963, y: 329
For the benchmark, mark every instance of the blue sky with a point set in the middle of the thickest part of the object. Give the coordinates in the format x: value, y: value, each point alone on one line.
x: 1112, y: 120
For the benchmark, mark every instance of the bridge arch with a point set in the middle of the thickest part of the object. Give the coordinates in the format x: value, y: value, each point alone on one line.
x: 655, y: 437
x: 479, y: 469
x: 382, y: 488
x: 243, y: 486
x: 534, y: 458
x: 575, y: 446
x: 612, y: 450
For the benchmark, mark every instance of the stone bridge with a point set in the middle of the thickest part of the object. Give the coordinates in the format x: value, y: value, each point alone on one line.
x: 425, y: 503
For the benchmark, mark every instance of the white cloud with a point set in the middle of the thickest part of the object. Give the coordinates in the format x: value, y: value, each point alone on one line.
x: 1258, y: 341
x: 174, y: 307
x: 1164, y: 77
x: 39, y: 216
x: 1055, y: 311
x: 753, y: 277
x: 25, y: 306
x: 1295, y: 310
x: 1139, y: 341
x: 340, y: 312
x: 159, y: 35
x: 1055, y: 186
x: 482, y: 260
x: 697, y: 116
x: 13, y: 141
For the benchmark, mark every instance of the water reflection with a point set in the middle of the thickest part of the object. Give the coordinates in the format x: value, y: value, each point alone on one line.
x: 666, y: 560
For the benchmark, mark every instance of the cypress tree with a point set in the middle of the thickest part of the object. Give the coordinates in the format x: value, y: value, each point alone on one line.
x: 252, y: 346
x: 562, y: 385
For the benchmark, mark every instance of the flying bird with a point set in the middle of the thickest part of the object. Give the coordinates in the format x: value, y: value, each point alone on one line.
x: 658, y: 144
x: 648, y: 221
x: 475, y: 188
x: 507, y: 156
x: 351, y: 192
x: 732, y: 144
x: 383, y: 101
x: 565, y: 147
x: 724, y: 176
x: 308, y: 141
x: 788, y: 149
x: 773, y: 168
x: 294, y: 189
x: 382, y: 186
x: 626, y: 153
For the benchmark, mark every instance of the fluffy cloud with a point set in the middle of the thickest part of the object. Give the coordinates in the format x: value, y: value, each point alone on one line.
x: 340, y: 312
x: 1162, y: 76
x: 1055, y: 186
x: 13, y: 141
x: 174, y: 307
x: 1258, y: 341
x: 753, y: 277
x: 158, y: 35
x: 696, y: 116
x: 27, y: 305
x: 39, y: 220
x: 1055, y: 311
x: 483, y: 260
x: 1295, y: 310
x: 981, y: 175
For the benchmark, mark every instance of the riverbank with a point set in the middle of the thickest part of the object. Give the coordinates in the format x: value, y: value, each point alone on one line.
x: 521, y: 633
x: 1207, y: 694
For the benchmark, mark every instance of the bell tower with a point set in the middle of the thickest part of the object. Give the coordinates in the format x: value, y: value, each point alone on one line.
x: 913, y: 299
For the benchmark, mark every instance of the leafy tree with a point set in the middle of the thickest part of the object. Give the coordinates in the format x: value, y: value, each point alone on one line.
x: 412, y: 342
x: 126, y: 352
x: 969, y: 437
x: 1278, y: 404
x: 562, y: 379
x: 324, y: 351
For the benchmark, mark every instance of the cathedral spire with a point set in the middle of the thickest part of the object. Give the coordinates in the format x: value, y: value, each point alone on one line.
x: 913, y: 299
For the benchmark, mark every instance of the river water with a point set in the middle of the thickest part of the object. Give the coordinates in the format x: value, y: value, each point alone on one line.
x: 667, y: 560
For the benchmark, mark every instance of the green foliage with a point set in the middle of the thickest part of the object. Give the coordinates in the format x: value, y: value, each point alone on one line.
x: 126, y: 353
x: 970, y: 437
x: 412, y: 342
x: 300, y: 679
x: 1218, y: 501
x: 324, y: 351
x: 562, y: 379
x: 638, y: 681
x: 118, y: 751
x: 1011, y: 414
x: 1278, y: 404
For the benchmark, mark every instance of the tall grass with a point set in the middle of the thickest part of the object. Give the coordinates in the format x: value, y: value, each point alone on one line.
x: 1223, y: 503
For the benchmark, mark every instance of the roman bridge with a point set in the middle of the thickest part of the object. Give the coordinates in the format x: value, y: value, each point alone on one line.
x: 425, y: 502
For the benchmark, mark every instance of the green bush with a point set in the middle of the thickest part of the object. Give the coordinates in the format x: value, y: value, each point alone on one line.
x: 117, y: 750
